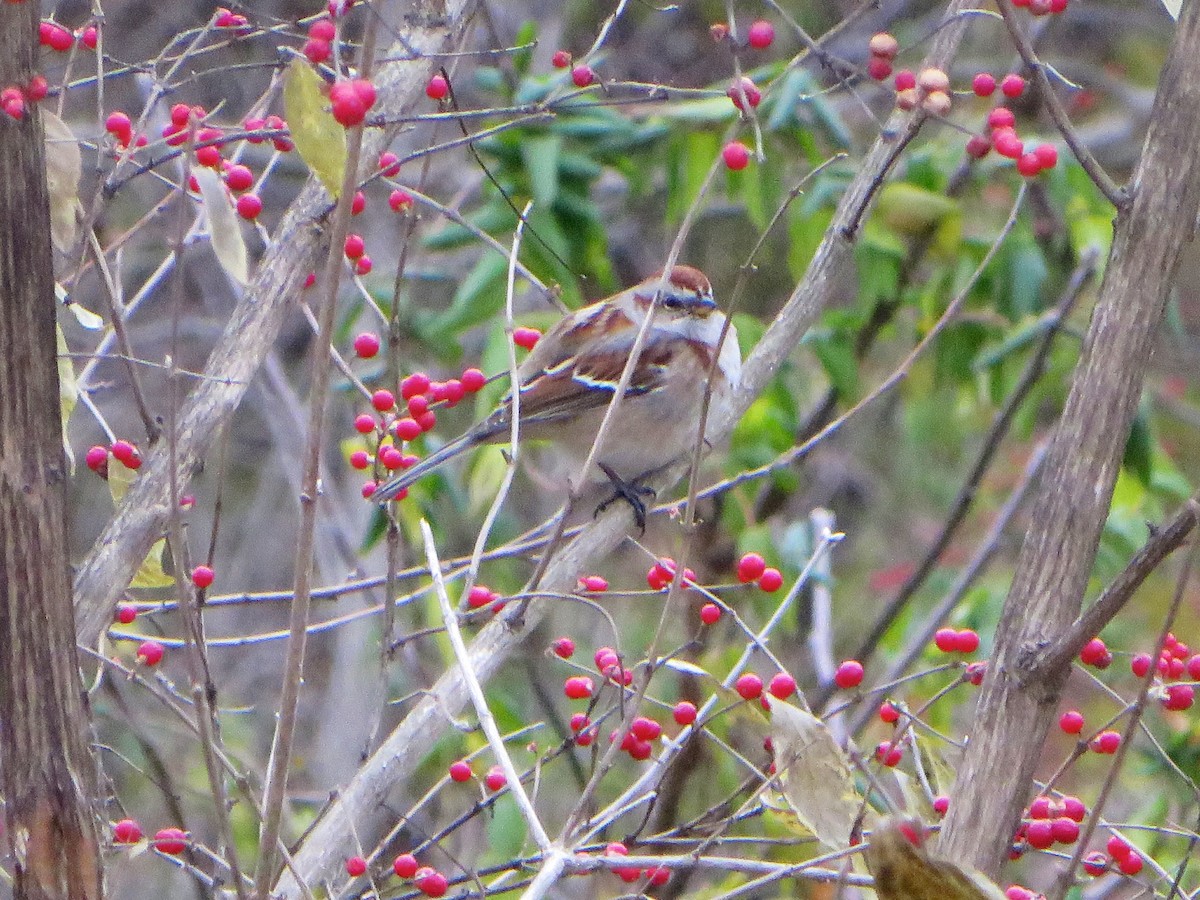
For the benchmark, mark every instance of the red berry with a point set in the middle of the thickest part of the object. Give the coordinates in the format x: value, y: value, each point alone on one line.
x: 495, y: 779
x: 761, y: 34
x: 1095, y: 863
x: 126, y: 613
x: 360, y: 459
x: 1140, y: 664
x: 1012, y: 86
x: 1007, y: 144
x: 150, y: 653
x: 1040, y: 808
x: 582, y: 75
x: 127, y: 831
x: 684, y: 712
x: 1001, y: 117
x: 526, y: 338
x: 770, y: 581
x: 383, y: 400
x: 431, y: 882
x: 561, y: 59
x: 88, y: 37
x: 238, y: 177
x: 879, y: 68
x: 606, y: 657
x: 941, y: 805
x: 1179, y: 697
x: 579, y: 721
x: 1029, y: 165
x: 355, y: 246
x: 119, y: 125
x: 640, y: 750
x: 888, y: 714
x: 1040, y: 834
x: 317, y: 51
x: 1106, y: 742
x: 322, y: 29
x: 1071, y: 722
x: 1047, y: 155
x: 966, y: 641
x: 400, y: 201
x: 405, y: 865
x: 975, y: 672
x: 366, y: 345
x: 983, y: 84
x: 748, y: 686
x: 438, y: 88
x: 594, y: 584
x: 645, y: 729
x: 887, y: 754
x: 1117, y: 847
x: 407, y: 429
x: 1193, y: 667
x: 356, y: 866
x: 658, y: 875
x: 364, y: 424
x: 750, y: 568
x: 736, y: 155
x: 97, y: 459
x: 472, y: 380
x: 744, y: 87
x: 416, y: 383
x: 172, y: 841
x: 391, y: 458
x: 358, y: 203
x: 1131, y: 864
x: 389, y: 164
x: 905, y: 80
x: 1093, y: 652
x: 578, y: 687
x: 480, y: 596
x: 202, y: 576
x: 1073, y: 808
x: 945, y: 639
x: 363, y: 266
x: 127, y: 454
x: 249, y: 206
x: 460, y: 771
x: 346, y: 106
x: 209, y: 157
x: 59, y: 38
x: 37, y: 89
x: 710, y: 614
x: 1064, y: 830
x: 563, y: 647
x: 849, y: 674
x: 782, y: 686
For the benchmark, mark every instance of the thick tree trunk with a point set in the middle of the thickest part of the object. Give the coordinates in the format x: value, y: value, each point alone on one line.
x: 47, y: 770
x: 1014, y: 711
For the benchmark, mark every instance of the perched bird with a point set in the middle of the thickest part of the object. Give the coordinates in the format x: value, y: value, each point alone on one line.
x: 569, y: 378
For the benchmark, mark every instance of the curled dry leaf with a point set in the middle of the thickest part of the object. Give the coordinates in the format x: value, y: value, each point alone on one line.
x: 63, y: 166
x: 223, y: 228
x: 816, y: 776
x: 905, y: 871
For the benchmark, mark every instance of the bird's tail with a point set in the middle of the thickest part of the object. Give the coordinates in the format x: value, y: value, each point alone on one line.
x: 388, y: 490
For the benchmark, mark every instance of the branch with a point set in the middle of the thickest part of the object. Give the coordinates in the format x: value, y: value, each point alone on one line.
x: 1082, y: 466
x: 249, y: 336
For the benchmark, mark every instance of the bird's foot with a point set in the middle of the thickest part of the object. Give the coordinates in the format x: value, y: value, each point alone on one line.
x: 631, y: 492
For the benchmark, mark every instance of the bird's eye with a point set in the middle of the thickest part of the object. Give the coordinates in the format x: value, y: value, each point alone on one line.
x: 670, y: 301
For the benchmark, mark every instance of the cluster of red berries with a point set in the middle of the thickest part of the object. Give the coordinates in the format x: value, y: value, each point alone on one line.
x: 481, y: 596
x: 227, y: 18
x: 61, y: 39
x: 390, y: 429
x: 14, y: 98
x: 428, y: 880
x: 1175, y: 662
x: 124, y: 452
x: 494, y: 780
x: 1042, y: 7
x: 171, y: 841
x: 638, y: 741
x: 1049, y: 821
x: 1105, y: 742
x: 883, y: 48
x: 350, y: 100
x: 929, y: 90
x: 1003, y: 136
x: 656, y: 876
x: 950, y: 641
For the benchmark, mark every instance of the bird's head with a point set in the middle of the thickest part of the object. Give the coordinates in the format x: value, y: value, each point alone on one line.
x: 686, y: 292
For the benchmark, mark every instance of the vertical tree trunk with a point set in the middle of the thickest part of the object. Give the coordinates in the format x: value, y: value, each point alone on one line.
x: 48, y: 774
x: 1014, y: 712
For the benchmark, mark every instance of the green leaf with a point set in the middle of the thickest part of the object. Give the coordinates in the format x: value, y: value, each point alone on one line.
x: 479, y: 297
x: 319, y: 139
x: 526, y: 34
x: 910, y: 210
x: 540, y: 153
x: 1139, y: 448
x: 836, y: 353
x: 1026, y: 332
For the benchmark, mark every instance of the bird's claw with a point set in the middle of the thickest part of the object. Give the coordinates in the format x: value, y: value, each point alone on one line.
x: 631, y: 492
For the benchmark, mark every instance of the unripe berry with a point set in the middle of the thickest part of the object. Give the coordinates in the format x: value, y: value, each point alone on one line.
x: 849, y: 674
x: 933, y: 79
x: 936, y: 103
x: 884, y: 45
x: 978, y: 146
x: 908, y: 99
x: 761, y: 34
x: 736, y: 155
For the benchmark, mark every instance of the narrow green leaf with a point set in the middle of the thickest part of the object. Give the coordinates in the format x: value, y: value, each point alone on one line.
x: 540, y: 153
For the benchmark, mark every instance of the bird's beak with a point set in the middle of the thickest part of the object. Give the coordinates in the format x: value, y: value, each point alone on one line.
x: 704, y: 305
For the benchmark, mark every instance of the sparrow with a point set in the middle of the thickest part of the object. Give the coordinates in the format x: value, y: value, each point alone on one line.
x: 569, y: 378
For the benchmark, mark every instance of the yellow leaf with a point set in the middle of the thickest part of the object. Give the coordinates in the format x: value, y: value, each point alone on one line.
x: 68, y: 392
x: 817, y: 779
x: 63, y: 166
x: 150, y: 573
x: 904, y: 871
x: 908, y: 209
x: 119, y: 480
x: 223, y: 229
x: 319, y: 139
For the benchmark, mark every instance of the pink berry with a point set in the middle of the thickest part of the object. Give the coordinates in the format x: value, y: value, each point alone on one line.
x: 888, y: 754
x: 97, y: 458
x: 744, y: 87
x: 710, y: 614
x: 966, y: 641
x: 770, y: 581
x: 126, y: 613
x: 684, y: 712
x: 202, y: 577
x: 249, y: 206
x: 945, y: 639
x: 1179, y: 697
x: 941, y: 805
x: 578, y: 687
x: 438, y: 88
x: 1131, y: 864
x: 364, y: 424
x: 356, y: 866
x: 750, y: 568
x: 761, y: 34
x: 363, y: 265
x: 563, y: 647
x: 322, y: 29
x: 748, y: 686
x: 594, y: 584
x: 888, y: 713
x: 414, y: 384
x: 317, y: 51
x: 366, y: 344
x: 1071, y: 722
x: 360, y: 459
x: 1001, y: 117
x: 1193, y: 667
x: 400, y: 201
x: 1040, y: 834
x: 239, y: 178
x: 89, y: 37
x: 1007, y: 144
x: 480, y: 596
x: 358, y: 203
x: 383, y: 400
x: 561, y: 59
x: 389, y: 164
x: 983, y: 84
x: 1106, y: 742
x: 579, y: 721
x: 582, y: 75
x: 1047, y: 155
x: 782, y: 686
x: 905, y: 80
x: 849, y: 674
x: 431, y: 882
x: 472, y: 380
x: 171, y: 841
x: 1012, y: 86
x: 1029, y: 165
x: 1073, y: 808
x: 1095, y: 863
x: 645, y: 729
x: 460, y: 771
x: 127, y: 831
x: 879, y: 68
x: 355, y: 246
x: 736, y: 155
x: 1064, y: 830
